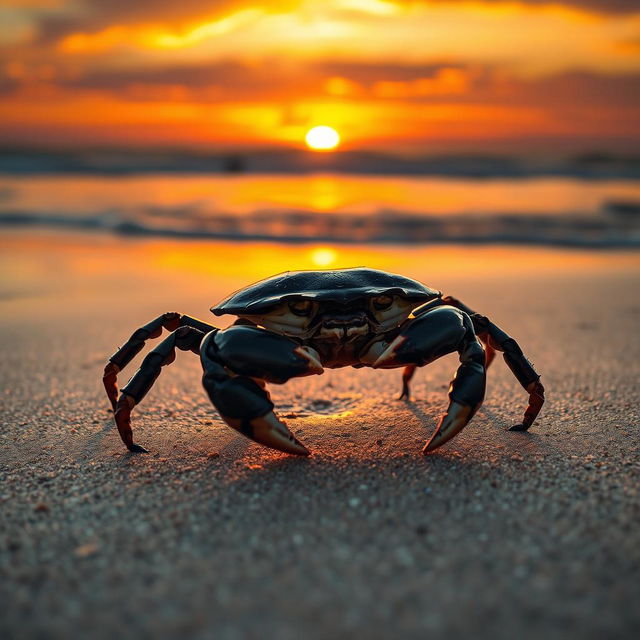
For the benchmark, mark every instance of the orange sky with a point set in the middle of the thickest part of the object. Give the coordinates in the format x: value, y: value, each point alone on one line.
x: 412, y: 76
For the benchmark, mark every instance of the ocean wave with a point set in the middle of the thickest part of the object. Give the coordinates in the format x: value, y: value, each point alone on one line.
x: 616, y: 227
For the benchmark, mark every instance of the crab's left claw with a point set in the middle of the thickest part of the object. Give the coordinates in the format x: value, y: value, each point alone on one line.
x: 428, y: 337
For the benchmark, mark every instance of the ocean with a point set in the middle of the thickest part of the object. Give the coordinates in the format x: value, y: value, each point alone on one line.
x: 356, y: 199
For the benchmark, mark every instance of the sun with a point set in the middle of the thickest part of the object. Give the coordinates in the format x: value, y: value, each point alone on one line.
x: 323, y: 256
x: 322, y: 138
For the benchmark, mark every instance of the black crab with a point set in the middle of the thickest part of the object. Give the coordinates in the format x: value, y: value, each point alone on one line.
x: 299, y: 323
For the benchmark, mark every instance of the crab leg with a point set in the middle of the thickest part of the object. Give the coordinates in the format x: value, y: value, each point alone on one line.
x: 233, y: 359
x: 495, y: 339
x: 443, y: 330
x: 127, y: 352
x: 407, y: 374
x: 186, y: 339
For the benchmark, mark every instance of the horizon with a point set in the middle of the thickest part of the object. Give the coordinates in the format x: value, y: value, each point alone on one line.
x: 543, y: 152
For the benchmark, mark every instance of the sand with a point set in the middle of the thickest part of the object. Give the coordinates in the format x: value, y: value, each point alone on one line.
x: 497, y: 535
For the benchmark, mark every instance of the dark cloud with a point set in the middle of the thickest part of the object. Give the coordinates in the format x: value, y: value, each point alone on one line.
x: 367, y: 73
x: 605, y: 6
x: 598, y: 6
x: 231, y: 81
x: 576, y: 89
x: 95, y: 15
x: 235, y: 80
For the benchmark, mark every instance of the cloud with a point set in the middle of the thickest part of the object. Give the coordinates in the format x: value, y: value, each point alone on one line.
x: 237, y: 79
x: 239, y: 103
x: 597, y: 6
x: 270, y: 80
x: 91, y: 16
x: 233, y: 80
x: 115, y: 40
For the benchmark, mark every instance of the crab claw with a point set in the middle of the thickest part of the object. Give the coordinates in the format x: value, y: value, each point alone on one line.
x: 257, y: 353
x: 450, y: 424
x: 270, y: 432
x: 314, y: 367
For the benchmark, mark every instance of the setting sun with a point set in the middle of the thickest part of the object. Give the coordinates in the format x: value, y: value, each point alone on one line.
x: 322, y: 138
x: 323, y: 256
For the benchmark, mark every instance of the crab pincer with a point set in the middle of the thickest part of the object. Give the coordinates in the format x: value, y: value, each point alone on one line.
x: 237, y: 362
x: 269, y: 431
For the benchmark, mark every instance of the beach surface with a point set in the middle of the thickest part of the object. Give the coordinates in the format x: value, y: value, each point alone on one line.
x: 495, y: 535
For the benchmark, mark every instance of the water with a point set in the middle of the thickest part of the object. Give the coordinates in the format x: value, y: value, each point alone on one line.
x: 332, y: 207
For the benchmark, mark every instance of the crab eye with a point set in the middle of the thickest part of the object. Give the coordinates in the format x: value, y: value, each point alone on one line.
x: 382, y: 302
x: 301, y: 307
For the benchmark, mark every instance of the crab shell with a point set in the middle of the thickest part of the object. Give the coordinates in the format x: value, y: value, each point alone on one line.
x: 267, y: 302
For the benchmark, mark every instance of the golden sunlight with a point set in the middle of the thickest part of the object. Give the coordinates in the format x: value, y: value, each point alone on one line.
x: 322, y: 138
x: 323, y: 256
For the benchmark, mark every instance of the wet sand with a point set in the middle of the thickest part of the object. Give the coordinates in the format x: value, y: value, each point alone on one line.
x: 496, y: 535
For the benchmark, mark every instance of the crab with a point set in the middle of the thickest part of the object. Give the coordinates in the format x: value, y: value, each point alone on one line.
x: 299, y: 323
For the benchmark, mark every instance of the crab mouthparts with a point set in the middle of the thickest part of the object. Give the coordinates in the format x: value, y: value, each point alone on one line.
x: 343, y: 326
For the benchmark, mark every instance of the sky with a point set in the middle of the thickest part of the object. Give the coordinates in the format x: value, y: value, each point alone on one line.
x: 403, y: 76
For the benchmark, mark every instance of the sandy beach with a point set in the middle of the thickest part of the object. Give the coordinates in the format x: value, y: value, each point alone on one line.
x: 496, y: 535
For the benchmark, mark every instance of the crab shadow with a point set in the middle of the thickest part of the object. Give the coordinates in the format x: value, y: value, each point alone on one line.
x: 363, y: 490
x: 495, y: 421
x: 93, y: 442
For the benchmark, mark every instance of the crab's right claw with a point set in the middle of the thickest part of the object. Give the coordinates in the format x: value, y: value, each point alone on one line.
x: 271, y: 432
x: 237, y: 361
